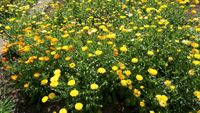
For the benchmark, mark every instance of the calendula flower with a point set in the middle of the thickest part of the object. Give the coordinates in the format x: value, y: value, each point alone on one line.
x: 139, y: 77
x: 44, y: 82
x: 54, y: 84
x: 78, y: 106
x: 72, y: 65
x: 67, y: 58
x: 152, y: 71
x: 74, y: 93
x: 7, y: 27
x: 142, y: 103
x: 51, y: 96
x: 167, y: 83
x: 101, y: 70
x: 114, y: 68
x: 172, y: 87
x: 45, y: 99
x: 36, y: 75
x: 84, y: 48
x: 57, y: 71
x: 26, y: 85
x: 14, y: 77
x: 123, y: 83
x: 123, y: 48
x: 134, y: 60
x: 136, y: 92
x: 98, y: 52
x: 150, y: 53
x: 63, y: 110
x: 127, y: 72
x: 162, y: 99
x: 71, y: 83
x: 94, y: 86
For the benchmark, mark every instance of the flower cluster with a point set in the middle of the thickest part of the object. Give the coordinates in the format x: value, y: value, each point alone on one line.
x: 84, y: 54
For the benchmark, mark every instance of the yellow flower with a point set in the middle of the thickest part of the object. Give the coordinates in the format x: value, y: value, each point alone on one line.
x: 71, y: 83
x: 57, y: 71
x: 74, y: 93
x: 44, y: 82
x: 151, y: 111
x: 114, y: 68
x: 98, y: 52
x: 167, y: 83
x: 94, y: 86
x: 191, y: 72
x: 14, y: 77
x: 36, y: 75
x: 101, y: 70
x: 63, y: 110
x: 162, y: 99
x: 139, y: 77
x: 195, y: 45
x: 84, y: 48
x: 54, y: 78
x: 54, y: 84
x: 124, y: 83
x: 172, y: 87
x: 26, y: 85
x: 7, y: 27
x: 136, y: 92
x: 128, y: 73
x: 150, y: 53
x: 45, y: 99
x: 134, y: 60
x: 72, y: 65
x: 67, y: 58
x: 197, y: 56
x: 51, y: 95
x: 78, y: 106
x: 196, y: 62
x: 123, y: 48
x: 152, y: 71
x: 142, y: 104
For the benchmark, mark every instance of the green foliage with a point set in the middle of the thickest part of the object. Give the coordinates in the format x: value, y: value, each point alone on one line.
x: 144, y: 54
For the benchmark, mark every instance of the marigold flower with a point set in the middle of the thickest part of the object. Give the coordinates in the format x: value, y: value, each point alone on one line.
x: 44, y: 82
x: 98, y: 52
x: 14, y: 77
x: 101, y: 70
x: 142, y: 103
x: 74, y: 93
x: 63, y: 110
x: 123, y: 48
x: 94, y: 86
x: 167, y: 83
x: 54, y: 84
x: 26, y: 85
x: 134, y: 60
x: 150, y: 53
x: 36, y: 75
x: 152, y: 71
x: 136, y: 92
x: 72, y: 65
x: 124, y: 83
x: 45, y: 99
x: 114, y: 68
x: 71, y: 83
x: 78, y: 106
x: 139, y: 77
x: 51, y: 95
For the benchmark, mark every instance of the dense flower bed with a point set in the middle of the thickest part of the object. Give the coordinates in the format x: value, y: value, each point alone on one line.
x: 88, y: 53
